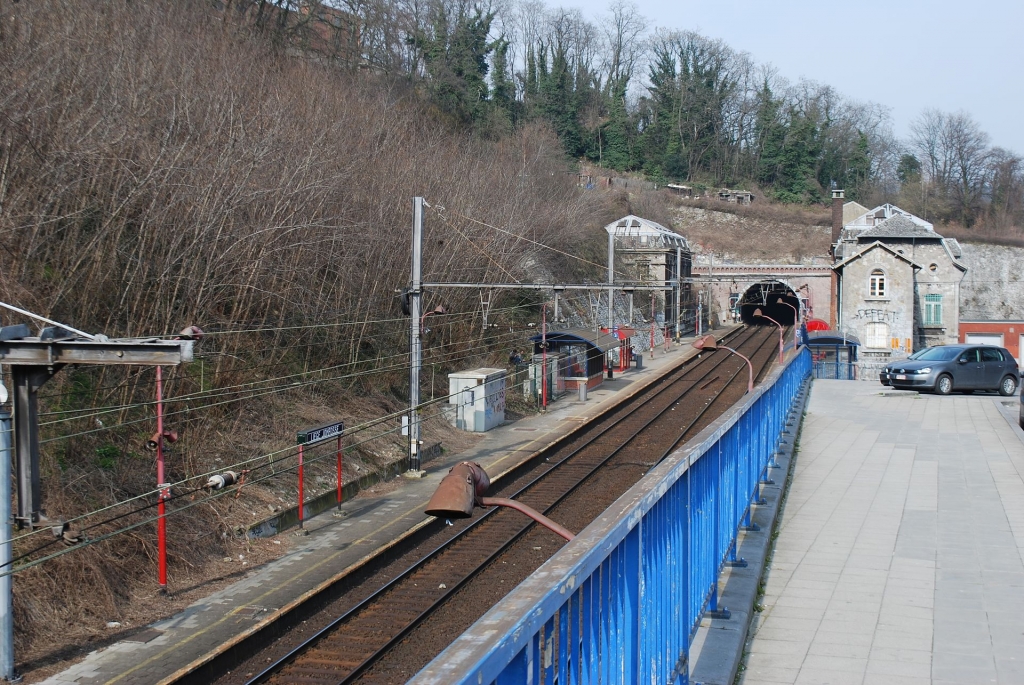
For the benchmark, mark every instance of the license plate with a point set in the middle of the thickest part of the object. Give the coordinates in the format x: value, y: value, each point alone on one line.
x: 901, y: 377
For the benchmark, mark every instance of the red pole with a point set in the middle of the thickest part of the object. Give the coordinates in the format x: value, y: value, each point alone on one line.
x: 750, y: 368
x: 544, y: 355
x: 652, y: 324
x: 300, y: 486
x: 161, y: 522
x: 781, y: 345
x: 339, y: 471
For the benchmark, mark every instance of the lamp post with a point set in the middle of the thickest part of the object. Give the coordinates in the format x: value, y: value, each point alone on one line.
x: 798, y: 335
x: 544, y: 355
x: 796, y: 312
x: 758, y: 313
x: 708, y: 342
x: 464, y: 487
x: 437, y: 310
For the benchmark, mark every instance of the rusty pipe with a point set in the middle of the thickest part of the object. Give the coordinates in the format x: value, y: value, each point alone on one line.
x: 529, y: 511
x: 463, y: 488
x: 458, y: 492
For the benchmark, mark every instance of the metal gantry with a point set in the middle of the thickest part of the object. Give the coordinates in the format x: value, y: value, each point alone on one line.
x: 34, y: 361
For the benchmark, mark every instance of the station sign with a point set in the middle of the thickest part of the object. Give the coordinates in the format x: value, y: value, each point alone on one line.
x: 310, y: 436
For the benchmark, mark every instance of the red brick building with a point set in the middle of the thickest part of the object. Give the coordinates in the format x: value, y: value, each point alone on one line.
x: 1008, y: 334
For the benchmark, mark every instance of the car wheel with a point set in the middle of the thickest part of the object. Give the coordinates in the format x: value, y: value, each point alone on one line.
x: 1007, y: 386
x: 944, y: 384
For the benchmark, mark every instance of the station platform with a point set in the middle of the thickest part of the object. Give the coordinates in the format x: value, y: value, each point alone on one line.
x: 900, y: 549
x: 336, y: 543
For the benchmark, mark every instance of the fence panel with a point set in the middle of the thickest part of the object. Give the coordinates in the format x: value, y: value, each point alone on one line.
x: 622, y: 601
x: 836, y: 371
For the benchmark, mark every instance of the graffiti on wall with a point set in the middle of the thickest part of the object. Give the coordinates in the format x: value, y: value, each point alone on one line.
x: 879, y: 315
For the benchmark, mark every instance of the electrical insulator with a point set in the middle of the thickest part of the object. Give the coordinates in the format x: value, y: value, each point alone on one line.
x: 222, y: 480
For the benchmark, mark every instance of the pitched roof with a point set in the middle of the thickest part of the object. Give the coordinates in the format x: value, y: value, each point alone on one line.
x: 634, y: 226
x: 852, y: 210
x: 869, y: 248
x: 601, y: 341
x: 898, y: 226
x: 872, y: 218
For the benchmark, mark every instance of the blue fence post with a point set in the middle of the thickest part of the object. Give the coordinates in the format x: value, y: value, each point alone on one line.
x: 588, y: 670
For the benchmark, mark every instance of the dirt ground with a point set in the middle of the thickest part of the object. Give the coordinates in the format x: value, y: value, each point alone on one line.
x: 751, y: 238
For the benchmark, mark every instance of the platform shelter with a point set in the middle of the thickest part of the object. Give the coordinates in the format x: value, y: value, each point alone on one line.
x: 833, y: 354
x: 580, y: 356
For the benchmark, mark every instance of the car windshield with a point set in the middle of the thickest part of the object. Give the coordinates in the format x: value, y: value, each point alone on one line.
x: 937, y: 354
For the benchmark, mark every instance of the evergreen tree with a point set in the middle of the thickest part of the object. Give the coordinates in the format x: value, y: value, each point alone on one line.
x: 661, y: 144
x: 503, y: 92
x: 455, y: 52
x: 558, y: 102
x: 616, y: 132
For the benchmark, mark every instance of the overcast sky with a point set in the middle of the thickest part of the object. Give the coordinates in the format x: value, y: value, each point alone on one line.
x: 905, y: 55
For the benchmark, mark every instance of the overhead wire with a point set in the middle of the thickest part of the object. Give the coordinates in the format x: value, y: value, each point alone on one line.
x: 244, y: 462
x: 124, y: 384
x: 88, y: 542
x: 440, y: 210
x: 281, y: 455
x: 253, y: 393
x: 89, y: 412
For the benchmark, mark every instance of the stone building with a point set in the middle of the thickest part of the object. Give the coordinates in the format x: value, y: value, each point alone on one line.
x: 647, y: 253
x: 897, y: 284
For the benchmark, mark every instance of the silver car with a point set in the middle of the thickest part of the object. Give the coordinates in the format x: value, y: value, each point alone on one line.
x: 964, y: 368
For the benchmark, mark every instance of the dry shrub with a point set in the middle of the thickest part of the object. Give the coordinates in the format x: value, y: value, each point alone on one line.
x: 160, y: 168
x: 984, y: 233
x: 763, y: 210
x: 750, y: 239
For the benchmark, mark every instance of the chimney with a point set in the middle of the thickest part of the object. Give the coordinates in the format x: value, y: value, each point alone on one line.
x: 837, y: 214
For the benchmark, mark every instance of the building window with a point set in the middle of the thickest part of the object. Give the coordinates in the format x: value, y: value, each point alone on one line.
x: 877, y: 335
x: 933, y: 310
x: 876, y: 286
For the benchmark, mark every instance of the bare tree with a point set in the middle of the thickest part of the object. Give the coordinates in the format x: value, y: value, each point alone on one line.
x: 624, y: 29
x: 1005, y: 189
x: 967, y: 147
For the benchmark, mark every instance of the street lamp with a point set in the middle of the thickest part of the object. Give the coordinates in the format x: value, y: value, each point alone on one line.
x: 796, y: 312
x: 463, y: 488
x: 708, y: 342
x: 437, y: 310
x: 757, y: 313
x: 798, y: 335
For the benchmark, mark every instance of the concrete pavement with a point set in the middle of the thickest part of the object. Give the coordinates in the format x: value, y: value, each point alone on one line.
x: 900, y: 554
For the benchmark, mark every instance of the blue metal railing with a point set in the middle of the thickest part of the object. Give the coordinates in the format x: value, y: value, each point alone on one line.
x: 835, y: 371
x: 621, y: 602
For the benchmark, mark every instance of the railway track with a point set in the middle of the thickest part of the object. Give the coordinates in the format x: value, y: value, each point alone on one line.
x: 392, y: 632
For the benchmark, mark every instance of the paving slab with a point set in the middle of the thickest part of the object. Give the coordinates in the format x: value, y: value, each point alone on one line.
x: 338, y: 541
x: 917, y: 501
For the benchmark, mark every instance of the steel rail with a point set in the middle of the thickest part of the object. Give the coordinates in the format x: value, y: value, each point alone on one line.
x: 373, y: 659
x: 666, y: 384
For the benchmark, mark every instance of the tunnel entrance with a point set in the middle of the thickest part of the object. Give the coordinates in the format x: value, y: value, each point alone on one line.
x: 765, y: 296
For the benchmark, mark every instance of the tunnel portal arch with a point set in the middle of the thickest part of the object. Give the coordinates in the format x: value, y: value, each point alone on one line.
x: 765, y: 295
